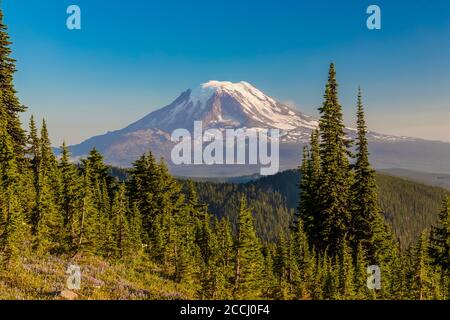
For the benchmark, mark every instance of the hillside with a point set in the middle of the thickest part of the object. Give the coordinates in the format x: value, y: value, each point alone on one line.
x: 433, y: 179
x: 408, y: 206
x: 43, y: 278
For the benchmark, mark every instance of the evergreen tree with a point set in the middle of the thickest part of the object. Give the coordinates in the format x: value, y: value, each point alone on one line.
x: 309, y: 186
x: 440, y: 241
x: 335, y: 179
x: 13, y: 229
x: 10, y: 102
x: 270, y: 287
x: 225, y: 256
x: 135, y: 230
x: 249, y: 260
x: 48, y: 220
x: 440, y: 246
x: 283, y: 269
x: 330, y: 277
x: 102, y: 189
x: 425, y: 282
x: 195, y: 243
x: 305, y: 262
x: 346, y: 272
x: 89, y: 239
x: 120, y: 224
x: 218, y: 270
x: 367, y: 225
x: 34, y: 147
x: 304, y: 206
x: 360, y: 274
x: 70, y: 196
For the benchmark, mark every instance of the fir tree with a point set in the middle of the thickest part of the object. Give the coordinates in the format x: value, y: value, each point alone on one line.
x: 425, y: 283
x: 48, y: 227
x: 367, y: 225
x: 135, y: 229
x: 346, y: 272
x: 335, y: 178
x: 309, y: 186
x: 89, y: 239
x: 34, y: 147
x: 13, y: 229
x: 120, y: 224
x: 249, y: 259
x: 360, y: 274
x: 305, y: 263
x: 70, y: 196
x: 440, y: 241
x: 440, y: 246
x: 10, y: 101
x: 282, y: 269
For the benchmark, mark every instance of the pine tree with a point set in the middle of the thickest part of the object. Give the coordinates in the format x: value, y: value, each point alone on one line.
x: 335, y: 178
x: 304, y: 206
x: 34, y: 147
x: 120, y: 225
x: 441, y: 237
x: 10, y: 102
x: 346, y: 272
x: 159, y: 199
x: 48, y: 227
x: 217, y: 271
x: 309, y: 186
x: 330, y: 277
x: 249, y: 260
x: 360, y: 274
x: 135, y: 229
x: 89, y: 239
x: 424, y: 281
x: 440, y: 245
x: 142, y: 185
x: 70, y: 197
x: 195, y: 242
x: 101, y: 186
x: 367, y: 225
x: 282, y: 269
x: 305, y: 262
x: 270, y: 286
x: 225, y: 255
x: 13, y: 229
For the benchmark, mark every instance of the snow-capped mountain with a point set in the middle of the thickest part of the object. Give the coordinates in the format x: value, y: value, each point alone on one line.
x: 222, y: 105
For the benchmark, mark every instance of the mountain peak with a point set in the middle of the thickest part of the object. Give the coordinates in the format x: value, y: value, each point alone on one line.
x: 227, y: 85
x: 225, y: 104
x: 241, y: 90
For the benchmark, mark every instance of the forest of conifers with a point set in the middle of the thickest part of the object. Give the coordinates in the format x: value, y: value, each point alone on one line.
x: 152, y: 228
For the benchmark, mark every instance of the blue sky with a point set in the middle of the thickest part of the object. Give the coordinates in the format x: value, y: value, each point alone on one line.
x: 132, y: 57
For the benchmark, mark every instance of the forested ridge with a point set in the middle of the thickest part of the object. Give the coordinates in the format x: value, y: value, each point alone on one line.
x: 409, y: 207
x: 151, y: 236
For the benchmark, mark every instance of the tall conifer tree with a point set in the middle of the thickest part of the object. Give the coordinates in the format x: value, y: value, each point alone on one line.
x: 10, y: 101
x: 13, y: 229
x: 335, y: 179
x: 367, y: 224
x: 249, y: 260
